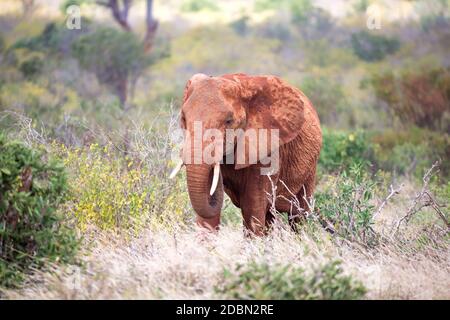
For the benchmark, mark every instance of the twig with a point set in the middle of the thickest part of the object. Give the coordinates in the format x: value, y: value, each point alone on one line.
x: 392, y: 192
x: 419, y: 202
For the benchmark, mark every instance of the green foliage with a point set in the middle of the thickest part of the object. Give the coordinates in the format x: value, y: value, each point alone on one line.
x: 199, y: 5
x: 67, y: 3
x: 230, y: 214
x: 261, y: 281
x: 341, y: 150
x: 2, y: 44
x: 299, y: 9
x: 109, y: 48
x: 411, y: 151
x: 31, y: 67
x: 346, y: 203
x: 326, y: 95
x: 32, y: 186
x: 55, y: 38
x: 361, y: 6
x: 112, y: 55
x: 262, y: 5
x: 119, y: 193
x: 240, y: 26
x: 372, y: 47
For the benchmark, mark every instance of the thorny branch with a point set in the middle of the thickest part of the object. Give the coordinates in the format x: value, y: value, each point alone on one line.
x: 423, y: 199
x: 295, y: 204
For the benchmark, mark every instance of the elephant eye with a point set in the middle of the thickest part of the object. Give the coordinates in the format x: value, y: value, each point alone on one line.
x: 229, y: 121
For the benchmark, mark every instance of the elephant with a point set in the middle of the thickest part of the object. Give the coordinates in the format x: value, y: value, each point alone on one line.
x: 245, y: 102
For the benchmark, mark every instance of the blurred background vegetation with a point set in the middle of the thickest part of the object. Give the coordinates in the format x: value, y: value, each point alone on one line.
x: 131, y: 59
x: 107, y: 95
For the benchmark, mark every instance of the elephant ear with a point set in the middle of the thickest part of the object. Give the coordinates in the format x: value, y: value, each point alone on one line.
x: 270, y: 104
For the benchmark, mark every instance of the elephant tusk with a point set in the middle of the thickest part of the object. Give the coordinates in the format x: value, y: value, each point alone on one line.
x: 215, y: 179
x: 180, y: 164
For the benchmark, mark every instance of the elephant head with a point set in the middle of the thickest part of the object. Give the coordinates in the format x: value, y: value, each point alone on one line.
x: 234, y: 101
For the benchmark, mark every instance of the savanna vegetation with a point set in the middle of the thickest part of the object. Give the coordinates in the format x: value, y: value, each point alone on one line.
x: 87, y: 130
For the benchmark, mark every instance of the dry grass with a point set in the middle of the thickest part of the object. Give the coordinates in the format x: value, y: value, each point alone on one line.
x: 187, y: 264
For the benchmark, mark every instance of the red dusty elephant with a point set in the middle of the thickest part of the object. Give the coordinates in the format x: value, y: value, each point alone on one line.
x: 246, y: 103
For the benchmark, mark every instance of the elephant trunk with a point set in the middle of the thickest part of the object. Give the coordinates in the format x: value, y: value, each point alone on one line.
x: 199, y: 180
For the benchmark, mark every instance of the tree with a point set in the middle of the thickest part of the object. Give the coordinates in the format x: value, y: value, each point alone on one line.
x: 120, y: 73
x: 120, y: 11
x: 114, y: 56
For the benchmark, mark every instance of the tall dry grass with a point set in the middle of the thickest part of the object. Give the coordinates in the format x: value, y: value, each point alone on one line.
x: 187, y: 264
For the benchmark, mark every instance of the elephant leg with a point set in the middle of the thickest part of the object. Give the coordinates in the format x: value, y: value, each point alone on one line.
x: 270, y: 218
x: 254, y: 204
x: 254, y: 220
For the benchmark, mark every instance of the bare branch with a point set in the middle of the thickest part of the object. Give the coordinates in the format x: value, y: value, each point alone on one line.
x: 392, y: 192
x: 120, y: 14
x: 423, y: 199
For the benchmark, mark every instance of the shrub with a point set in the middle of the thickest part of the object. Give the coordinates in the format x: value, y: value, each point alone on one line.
x: 118, y: 193
x: 417, y: 97
x: 301, y: 10
x: 240, y: 25
x: 32, y: 186
x: 113, y: 56
x: 404, y: 158
x: 55, y: 38
x: 371, y: 47
x: 326, y: 95
x: 340, y: 150
x: 286, y: 282
x: 411, y: 151
x: 32, y: 66
x: 263, y: 5
x: 345, y: 202
x: 199, y: 5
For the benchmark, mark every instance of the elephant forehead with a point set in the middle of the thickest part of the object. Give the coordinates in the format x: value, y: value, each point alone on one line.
x: 207, y: 99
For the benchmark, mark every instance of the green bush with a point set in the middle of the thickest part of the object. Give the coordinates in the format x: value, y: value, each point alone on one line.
x: 31, y: 67
x: 263, y: 5
x: 121, y: 194
x: 301, y: 11
x: 55, y: 38
x: 405, y: 158
x: 345, y: 201
x: 327, y: 96
x: 411, y: 151
x: 340, y: 150
x: 286, y: 282
x: 113, y: 56
x: 32, y: 186
x: 371, y: 47
x: 199, y: 5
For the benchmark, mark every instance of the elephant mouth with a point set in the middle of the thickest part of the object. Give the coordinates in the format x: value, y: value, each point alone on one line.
x: 213, y: 200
